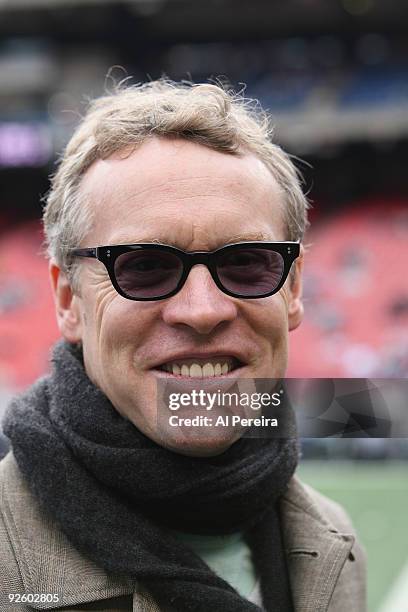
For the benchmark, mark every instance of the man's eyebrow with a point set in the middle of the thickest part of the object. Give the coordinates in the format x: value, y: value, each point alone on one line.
x: 140, y: 240
x: 258, y: 236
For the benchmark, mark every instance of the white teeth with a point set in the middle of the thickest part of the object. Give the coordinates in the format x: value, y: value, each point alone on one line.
x: 195, y: 370
x: 208, y: 369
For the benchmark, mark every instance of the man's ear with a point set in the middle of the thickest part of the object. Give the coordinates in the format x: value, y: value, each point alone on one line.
x: 296, y: 310
x: 66, y: 305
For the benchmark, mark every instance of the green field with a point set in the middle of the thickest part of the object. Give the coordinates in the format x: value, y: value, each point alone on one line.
x: 375, y: 494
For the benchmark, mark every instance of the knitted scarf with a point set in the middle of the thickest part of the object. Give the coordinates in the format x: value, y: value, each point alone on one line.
x: 115, y: 493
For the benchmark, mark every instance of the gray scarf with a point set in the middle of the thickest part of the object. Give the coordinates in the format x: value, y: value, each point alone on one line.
x: 115, y: 493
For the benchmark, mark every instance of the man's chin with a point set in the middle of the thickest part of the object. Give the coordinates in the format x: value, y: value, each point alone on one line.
x: 202, y: 444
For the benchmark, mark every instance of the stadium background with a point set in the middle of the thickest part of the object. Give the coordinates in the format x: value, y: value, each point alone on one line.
x: 334, y: 75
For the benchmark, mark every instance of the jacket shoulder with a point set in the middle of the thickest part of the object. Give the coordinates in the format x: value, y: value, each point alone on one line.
x: 36, y: 556
x: 330, y: 510
x: 10, y: 575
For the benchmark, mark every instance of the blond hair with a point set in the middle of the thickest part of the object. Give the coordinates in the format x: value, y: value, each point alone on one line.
x: 207, y: 114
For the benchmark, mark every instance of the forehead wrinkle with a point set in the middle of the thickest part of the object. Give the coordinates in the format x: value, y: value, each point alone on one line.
x: 220, y: 202
x: 121, y: 196
x: 186, y: 234
x: 154, y: 185
x: 180, y: 230
x: 218, y: 199
x: 171, y: 196
x: 159, y: 186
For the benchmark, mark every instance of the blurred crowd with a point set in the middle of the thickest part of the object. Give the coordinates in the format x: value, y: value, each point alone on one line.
x: 321, y: 90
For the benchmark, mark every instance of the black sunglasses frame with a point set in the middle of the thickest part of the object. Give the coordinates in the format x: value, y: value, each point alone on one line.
x: 108, y: 255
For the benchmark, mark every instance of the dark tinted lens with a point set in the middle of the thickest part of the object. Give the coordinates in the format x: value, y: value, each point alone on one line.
x: 250, y: 271
x: 147, y: 273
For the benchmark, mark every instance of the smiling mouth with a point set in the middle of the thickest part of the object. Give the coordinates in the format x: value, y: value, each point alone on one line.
x: 201, y: 368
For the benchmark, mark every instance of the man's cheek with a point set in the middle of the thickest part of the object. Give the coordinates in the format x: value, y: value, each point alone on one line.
x: 271, y: 324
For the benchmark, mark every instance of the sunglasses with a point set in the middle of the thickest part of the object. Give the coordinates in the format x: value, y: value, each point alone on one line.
x: 147, y: 272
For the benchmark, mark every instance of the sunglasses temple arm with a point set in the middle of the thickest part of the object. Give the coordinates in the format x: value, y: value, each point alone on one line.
x: 91, y: 252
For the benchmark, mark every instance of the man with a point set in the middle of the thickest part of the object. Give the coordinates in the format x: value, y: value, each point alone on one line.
x: 197, y: 217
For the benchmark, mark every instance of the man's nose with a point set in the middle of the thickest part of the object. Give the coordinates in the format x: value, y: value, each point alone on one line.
x: 199, y: 304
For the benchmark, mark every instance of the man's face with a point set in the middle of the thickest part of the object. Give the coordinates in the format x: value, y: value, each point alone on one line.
x: 186, y: 195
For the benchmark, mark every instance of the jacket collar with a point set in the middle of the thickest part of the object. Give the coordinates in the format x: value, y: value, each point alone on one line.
x: 316, y: 551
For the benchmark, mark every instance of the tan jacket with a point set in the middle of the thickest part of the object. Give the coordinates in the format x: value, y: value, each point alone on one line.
x: 326, y: 564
